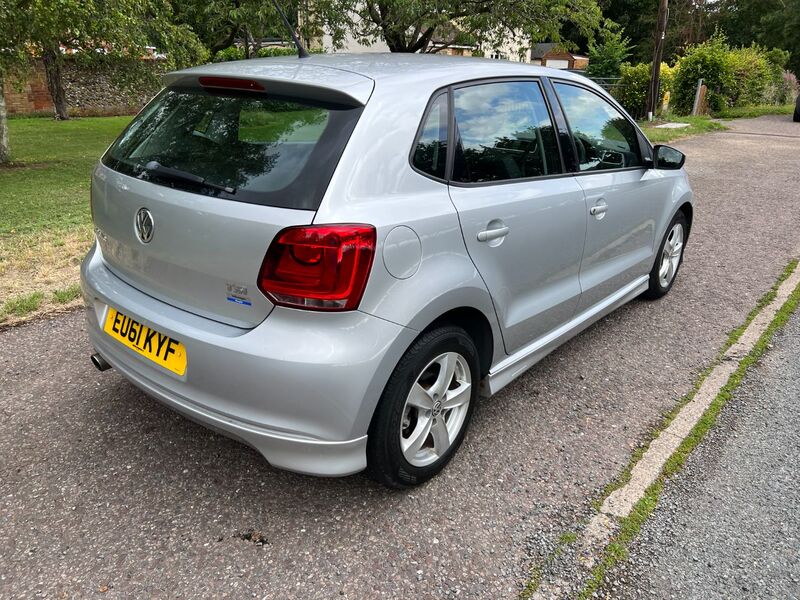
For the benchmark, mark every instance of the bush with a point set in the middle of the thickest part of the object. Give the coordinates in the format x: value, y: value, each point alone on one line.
x: 735, y: 77
x: 232, y: 53
x: 782, y: 88
x: 791, y: 86
x: 631, y: 89
x: 708, y: 61
x: 752, y: 74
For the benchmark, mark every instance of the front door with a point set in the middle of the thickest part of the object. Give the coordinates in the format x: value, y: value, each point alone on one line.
x: 523, y: 222
x: 621, y: 197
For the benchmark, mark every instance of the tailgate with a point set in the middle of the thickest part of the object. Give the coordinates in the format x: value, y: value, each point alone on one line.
x: 204, y: 255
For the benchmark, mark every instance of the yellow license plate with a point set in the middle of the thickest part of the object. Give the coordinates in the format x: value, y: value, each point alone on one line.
x: 158, y: 347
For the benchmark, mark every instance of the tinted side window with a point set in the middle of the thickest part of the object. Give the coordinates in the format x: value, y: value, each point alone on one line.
x: 603, y: 137
x: 504, y: 132
x: 430, y: 152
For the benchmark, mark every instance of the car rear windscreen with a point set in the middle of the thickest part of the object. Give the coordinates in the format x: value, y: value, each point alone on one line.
x: 241, y: 146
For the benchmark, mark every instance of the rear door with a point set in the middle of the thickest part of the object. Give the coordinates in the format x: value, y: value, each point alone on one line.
x: 188, y: 199
x: 523, y: 220
x: 621, y: 198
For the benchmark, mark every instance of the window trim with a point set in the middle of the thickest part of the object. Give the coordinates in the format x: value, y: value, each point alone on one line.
x: 451, y: 127
x: 645, y: 156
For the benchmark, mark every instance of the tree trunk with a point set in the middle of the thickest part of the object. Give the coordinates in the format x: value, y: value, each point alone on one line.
x: 5, y: 151
x: 55, y: 82
x: 655, y: 73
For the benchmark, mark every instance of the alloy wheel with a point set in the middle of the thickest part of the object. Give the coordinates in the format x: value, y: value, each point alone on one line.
x: 671, y: 256
x: 435, y: 409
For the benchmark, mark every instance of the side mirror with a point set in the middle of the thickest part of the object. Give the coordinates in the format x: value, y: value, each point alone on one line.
x: 666, y: 157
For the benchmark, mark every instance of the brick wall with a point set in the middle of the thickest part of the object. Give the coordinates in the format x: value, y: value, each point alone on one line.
x: 30, y: 95
x: 90, y: 89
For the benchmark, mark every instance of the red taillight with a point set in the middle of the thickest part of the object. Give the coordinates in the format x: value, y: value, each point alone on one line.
x: 318, y: 267
x: 231, y: 83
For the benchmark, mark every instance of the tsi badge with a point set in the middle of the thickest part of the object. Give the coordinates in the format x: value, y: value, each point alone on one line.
x: 144, y: 225
x: 238, y: 294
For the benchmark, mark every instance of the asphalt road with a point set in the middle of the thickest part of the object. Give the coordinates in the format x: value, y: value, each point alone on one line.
x: 104, y: 490
x: 727, y: 526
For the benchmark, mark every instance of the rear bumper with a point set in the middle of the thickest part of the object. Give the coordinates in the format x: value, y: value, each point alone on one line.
x: 300, y: 387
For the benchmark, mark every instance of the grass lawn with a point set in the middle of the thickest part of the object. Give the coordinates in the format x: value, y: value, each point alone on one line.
x: 746, y: 112
x: 697, y: 125
x: 45, y: 225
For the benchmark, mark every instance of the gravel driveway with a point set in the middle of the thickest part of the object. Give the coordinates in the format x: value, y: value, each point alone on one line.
x: 728, y: 526
x: 104, y: 490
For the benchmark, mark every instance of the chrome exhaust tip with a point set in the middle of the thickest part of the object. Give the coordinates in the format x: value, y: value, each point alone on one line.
x: 100, y: 362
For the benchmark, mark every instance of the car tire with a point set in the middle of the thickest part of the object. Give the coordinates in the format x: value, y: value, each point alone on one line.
x: 401, y: 452
x: 668, y: 258
x: 797, y: 115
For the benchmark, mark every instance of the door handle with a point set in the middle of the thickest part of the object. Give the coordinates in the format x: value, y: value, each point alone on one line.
x: 492, y: 234
x: 599, y: 209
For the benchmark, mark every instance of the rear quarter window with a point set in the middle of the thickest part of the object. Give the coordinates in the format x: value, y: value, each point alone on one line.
x: 245, y: 147
x: 430, y: 150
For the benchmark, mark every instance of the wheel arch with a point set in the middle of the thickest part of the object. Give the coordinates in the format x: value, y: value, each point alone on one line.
x: 688, y: 210
x: 477, y: 326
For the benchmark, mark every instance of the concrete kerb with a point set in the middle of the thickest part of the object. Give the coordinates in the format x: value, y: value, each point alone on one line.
x: 603, y: 525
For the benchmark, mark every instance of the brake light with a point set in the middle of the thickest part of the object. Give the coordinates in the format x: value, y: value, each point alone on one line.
x: 231, y: 83
x: 318, y: 267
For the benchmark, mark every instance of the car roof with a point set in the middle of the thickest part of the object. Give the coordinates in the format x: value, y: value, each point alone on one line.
x: 354, y: 75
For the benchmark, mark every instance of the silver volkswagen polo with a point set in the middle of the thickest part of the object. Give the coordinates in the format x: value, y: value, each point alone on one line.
x: 331, y: 258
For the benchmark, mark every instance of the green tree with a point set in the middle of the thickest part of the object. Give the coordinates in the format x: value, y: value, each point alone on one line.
x: 770, y: 23
x: 12, y: 60
x: 100, y: 28
x: 690, y: 22
x: 607, y: 55
x: 220, y: 23
x: 410, y: 25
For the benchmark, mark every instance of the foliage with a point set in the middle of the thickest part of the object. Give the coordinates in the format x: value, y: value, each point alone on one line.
x: 749, y: 112
x: 51, y: 29
x: 12, y: 58
x: 22, y: 305
x: 690, y: 22
x: 237, y: 53
x: 735, y: 77
x: 606, y: 57
x: 110, y: 27
x: 782, y: 89
x: 772, y: 23
x: 410, y: 25
x: 752, y: 74
x: 229, y: 53
x: 631, y: 89
x: 221, y: 24
x: 710, y: 62
x: 68, y: 294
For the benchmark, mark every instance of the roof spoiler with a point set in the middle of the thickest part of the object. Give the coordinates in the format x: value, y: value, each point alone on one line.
x: 293, y: 79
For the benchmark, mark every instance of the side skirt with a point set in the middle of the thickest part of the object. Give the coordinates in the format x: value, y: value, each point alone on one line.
x: 511, y: 367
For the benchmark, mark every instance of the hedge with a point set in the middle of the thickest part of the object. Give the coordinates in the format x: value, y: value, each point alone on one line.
x: 631, y: 88
x: 734, y: 77
x: 236, y: 53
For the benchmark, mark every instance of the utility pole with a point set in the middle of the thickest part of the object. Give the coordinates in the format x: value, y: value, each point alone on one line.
x: 655, y: 73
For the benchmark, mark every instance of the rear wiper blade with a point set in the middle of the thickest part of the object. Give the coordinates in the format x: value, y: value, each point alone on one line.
x: 160, y: 170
